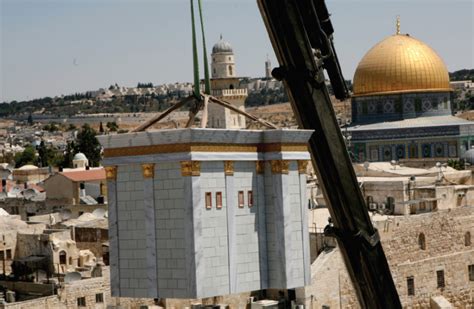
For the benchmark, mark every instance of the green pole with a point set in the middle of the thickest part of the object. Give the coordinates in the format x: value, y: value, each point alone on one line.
x: 207, y: 81
x: 197, y: 90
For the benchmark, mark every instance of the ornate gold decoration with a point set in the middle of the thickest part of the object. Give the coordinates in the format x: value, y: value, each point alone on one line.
x: 302, y: 166
x: 190, y: 168
x: 202, y: 147
x: 280, y: 166
x: 148, y: 170
x: 400, y: 64
x: 111, y: 172
x: 260, y: 167
x: 229, y: 168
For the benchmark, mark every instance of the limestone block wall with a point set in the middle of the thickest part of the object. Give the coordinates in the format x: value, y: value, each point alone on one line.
x: 190, y: 220
x: 211, y: 231
x: 445, y: 249
x: 131, y: 231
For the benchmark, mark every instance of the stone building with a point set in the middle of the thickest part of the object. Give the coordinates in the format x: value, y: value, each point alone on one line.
x: 224, y: 85
x: 401, y: 106
x: 75, y: 185
x: 198, y: 213
x: 30, y: 174
x: 431, y: 257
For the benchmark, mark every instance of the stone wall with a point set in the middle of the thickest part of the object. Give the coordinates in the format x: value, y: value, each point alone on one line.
x: 445, y: 248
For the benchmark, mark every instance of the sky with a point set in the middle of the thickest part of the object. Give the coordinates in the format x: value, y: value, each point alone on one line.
x: 55, y: 47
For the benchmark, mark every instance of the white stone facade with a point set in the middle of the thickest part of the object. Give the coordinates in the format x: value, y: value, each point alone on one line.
x: 226, y: 217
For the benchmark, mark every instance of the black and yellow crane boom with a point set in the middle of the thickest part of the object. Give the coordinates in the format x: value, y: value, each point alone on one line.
x: 301, y: 33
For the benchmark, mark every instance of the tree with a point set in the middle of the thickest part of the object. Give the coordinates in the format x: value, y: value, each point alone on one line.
x: 71, y: 149
x: 28, y: 156
x: 49, y: 156
x: 88, y: 144
x: 112, y: 126
x: 30, y: 120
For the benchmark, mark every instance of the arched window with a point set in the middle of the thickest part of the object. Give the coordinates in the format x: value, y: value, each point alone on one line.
x: 422, y: 241
x: 231, y: 86
x: 62, y: 258
x: 230, y: 70
x: 467, y: 239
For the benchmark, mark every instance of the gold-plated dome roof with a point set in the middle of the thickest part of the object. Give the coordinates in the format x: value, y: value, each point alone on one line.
x: 400, y: 63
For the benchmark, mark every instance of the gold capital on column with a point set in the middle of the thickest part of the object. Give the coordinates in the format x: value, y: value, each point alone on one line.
x: 302, y: 166
x: 190, y: 168
x: 148, y: 170
x: 280, y: 166
x: 111, y: 172
x: 229, y: 168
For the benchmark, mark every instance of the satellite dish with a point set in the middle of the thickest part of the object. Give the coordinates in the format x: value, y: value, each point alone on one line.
x: 71, y: 277
x: 366, y: 165
x: 65, y: 214
x: 99, y: 213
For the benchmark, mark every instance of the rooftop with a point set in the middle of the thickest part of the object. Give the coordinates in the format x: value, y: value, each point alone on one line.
x: 85, y: 175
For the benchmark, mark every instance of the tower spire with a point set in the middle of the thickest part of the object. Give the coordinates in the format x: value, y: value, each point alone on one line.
x: 398, y: 24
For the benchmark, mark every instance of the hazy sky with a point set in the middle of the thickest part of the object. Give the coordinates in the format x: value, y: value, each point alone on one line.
x: 54, y: 47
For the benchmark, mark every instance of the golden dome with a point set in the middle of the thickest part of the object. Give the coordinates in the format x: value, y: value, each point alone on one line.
x: 400, y: 63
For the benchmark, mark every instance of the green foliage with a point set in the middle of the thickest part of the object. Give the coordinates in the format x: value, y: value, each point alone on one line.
x: 30, y: 120
x: 49, y: 156
x: 71, y: 149
x: 51, y: 127
x: 28, y: 156
x: 466, y: 74
x: 457, y: 164
x: 71, y: 127
x: 112, y: 126
x: 88, y: 144
x: 145, y: 85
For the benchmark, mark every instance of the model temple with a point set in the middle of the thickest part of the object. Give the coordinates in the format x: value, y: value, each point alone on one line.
x: 197, y: 213
x: 190, y: 218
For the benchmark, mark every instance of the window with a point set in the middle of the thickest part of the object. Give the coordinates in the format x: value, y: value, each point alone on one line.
x: 62, y: 257
x: 422, y: 241
x: 99, y: 298
x: 9, y: 254
x: 440, y: 278
x: 208, y: 200
x: 219, y: 200
x: 241, y: 199
x: 467, y: 239
x: 230, y: 70
x: 471, y: 272
x: 2, y: 255
x: 411, y: 286
x: 250, y: 198
x: 81, y: 301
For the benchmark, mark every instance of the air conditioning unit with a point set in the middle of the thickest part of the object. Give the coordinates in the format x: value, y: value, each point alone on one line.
x: 268, y: 304
x: 372, y: 206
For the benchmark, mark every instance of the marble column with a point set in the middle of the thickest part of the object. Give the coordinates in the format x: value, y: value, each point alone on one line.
x: 111, y: 176
x: 148, y: 171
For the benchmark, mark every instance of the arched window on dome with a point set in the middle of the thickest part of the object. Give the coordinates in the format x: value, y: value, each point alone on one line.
x: 467, y: 239
x: 230, y: 70
x: 422, y: 241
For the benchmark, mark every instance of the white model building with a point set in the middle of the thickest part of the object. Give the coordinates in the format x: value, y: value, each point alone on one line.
x: 197, y: 213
